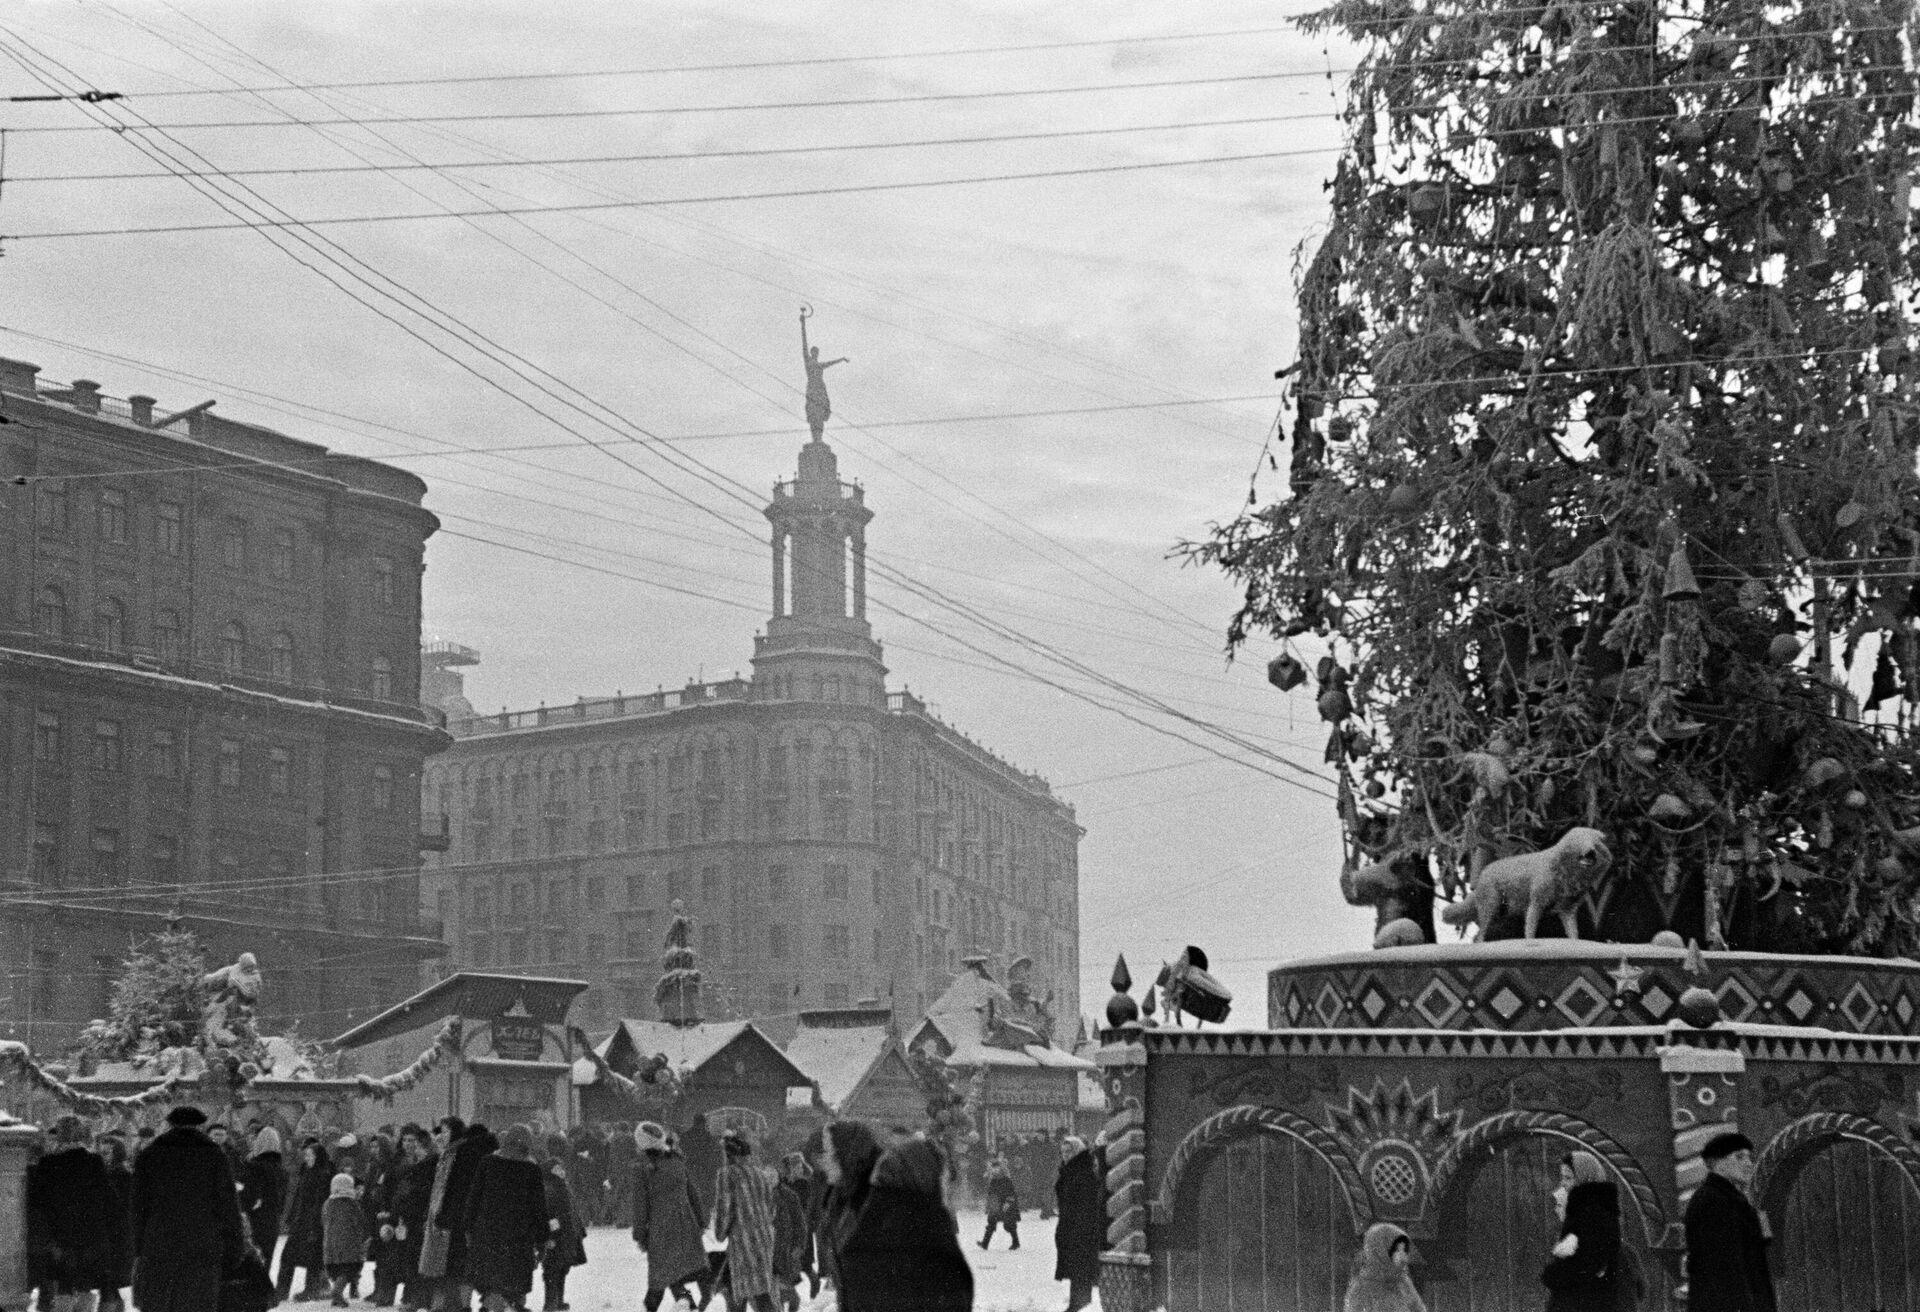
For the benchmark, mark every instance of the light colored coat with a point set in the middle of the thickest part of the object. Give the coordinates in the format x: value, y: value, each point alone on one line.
x: 743, y: 1216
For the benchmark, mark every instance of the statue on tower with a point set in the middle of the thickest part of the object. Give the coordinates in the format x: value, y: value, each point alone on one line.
x: 818, y: 407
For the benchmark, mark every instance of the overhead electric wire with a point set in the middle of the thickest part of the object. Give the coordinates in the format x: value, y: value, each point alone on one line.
x: 834, y: 148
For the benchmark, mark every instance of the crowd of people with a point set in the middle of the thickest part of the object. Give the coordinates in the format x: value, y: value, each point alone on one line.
x: 193, y: 1218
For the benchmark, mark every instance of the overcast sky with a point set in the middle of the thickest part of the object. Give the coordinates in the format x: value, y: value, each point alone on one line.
x: 1128, y: 288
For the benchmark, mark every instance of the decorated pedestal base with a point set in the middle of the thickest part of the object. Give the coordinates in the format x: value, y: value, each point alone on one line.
x: 1438, y: 1088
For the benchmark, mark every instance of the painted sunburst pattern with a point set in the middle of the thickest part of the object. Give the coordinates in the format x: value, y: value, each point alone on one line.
x: 1394, y: 1113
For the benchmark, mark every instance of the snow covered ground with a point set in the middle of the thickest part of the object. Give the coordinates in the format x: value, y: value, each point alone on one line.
x: 615, y: 1275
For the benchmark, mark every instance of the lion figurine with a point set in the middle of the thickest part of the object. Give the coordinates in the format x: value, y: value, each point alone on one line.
x: 1535, y: 883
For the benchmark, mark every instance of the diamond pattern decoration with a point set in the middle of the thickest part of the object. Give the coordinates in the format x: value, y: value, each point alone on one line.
x: 1374, y: 1002
x: 1329, y: 1005
x: 1294, y: 1007
x: 1799, y: 1004
x: 1737, y: 1002
x: 1581, y: 1002
x: 1506, y: 1002
x: 1657, y: 1001
x: 1860, y: 1007
x: 1903, y: 1011
x: 1437, y: 1004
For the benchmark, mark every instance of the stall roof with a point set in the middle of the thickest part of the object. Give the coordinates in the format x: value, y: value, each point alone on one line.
x: 958, y: 1019
x: 473, y: 997
x: 840, y: 1060
x: 686, y: 1047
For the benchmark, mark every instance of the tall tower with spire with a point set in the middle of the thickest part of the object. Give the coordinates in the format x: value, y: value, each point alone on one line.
x: 818, y: 645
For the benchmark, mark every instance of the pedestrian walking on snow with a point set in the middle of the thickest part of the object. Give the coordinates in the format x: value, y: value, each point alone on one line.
x: 1584, y: 1275
x: 113, y: 1154
x: 1380, y: 1282
x: 306, y: 1238
x: 407, y: 1214
x: 904, y: 1254
x: 566, y: 1242
x: 343, y: 1224
x: 743, y: 1217
x: 263, y: 1190
x: 1003, y: 1203
x: 1077, y: 1239
x: 507, y: 1223
x: 186, y: 1221
x: 444, y: 1255
x: 71, y: 1219
x: 668, y: 1217
x: 1727, y: 1237
x: 849, y: 1152
x: 792, y: 1238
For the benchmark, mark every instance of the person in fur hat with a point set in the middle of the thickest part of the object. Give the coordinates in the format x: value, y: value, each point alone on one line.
x: 71, y: 1219
x: 1727, y: 1236
x: 186, y: 1220
x: 1585, y: 1271
x: 343, y: 1224
x: 1380, y: 1282
x: 668, y: 1217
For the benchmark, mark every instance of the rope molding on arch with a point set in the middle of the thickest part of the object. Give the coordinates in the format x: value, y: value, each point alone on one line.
x: 1818, y: 1128
x: 1508, y: 1125
x: 1243, y: 1120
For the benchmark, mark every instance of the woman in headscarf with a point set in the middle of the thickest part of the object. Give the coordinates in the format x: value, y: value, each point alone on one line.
x: 903, y: 1254
x: 263, y: 1189
x: 668, y: 1217
x: 848, y: 1154
x: 305, y: 1246
x: 1380, y: 1282
x: 566, y: 1247
x: 506, y: 1224
x: 1584, y: 1274
x: 743, y: 1217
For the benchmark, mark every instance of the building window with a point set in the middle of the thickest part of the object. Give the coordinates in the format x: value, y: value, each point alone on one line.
x: 233, y: 647
x: 777, y: 942
x: 280, y: 561
x: 110, y: 625
x: 596, y: 947
x: 166, y: 636
x: 166, y: 528
x: 280, y: 657
x: 482, y: 843
x: 383, y: 788
x: 383, y: 581
x: 53, y: 612
x: 46, y: 737
x: 777, y: 883
x: 596, y: 892
x: 163, y: 858
x: 113, y: 515
x: 837, y: 819
x: 835, y: 942
x: 107, y: 753
x: 713, y: 938
x: 46, y: 852
x: 834, y: 995
x: 596, y: 835
x: 835, y: 884
x: 517, y: 902
x: 709, y: 817
x: 517, y: 844
x: 677, y: 827
x: 279, y: 771
x: 106, y: 856
x: 381, y: 684
x: 556, y: 837
x: 712, y: 887
x: 51, y: 506
x: 481, y: 951
x: 596, y: 783
x: 233, y: 544
x: 163, y: 755
x: 229, y: 765
x: 280, y: 881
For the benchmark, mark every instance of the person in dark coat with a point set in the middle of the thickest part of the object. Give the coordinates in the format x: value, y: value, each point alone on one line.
x: 849, y: 1153
x: 462, y: 1148
x: 507, y: 1225
x: 1727, y: 1236
x: 407, y: 1213
x: 306, y: 1235
x: 344, y: 1235
x: 702, y: 1152
x: 186, y: 1221
x: 381, y: 1173
x: 1079, y: 1196
x: 1584, y: 1274
x: 903, y: 1254
x: 817, y: 1187
x: 621, y: 1155
x: 668, y: 1217
x: 70, y: 1218
x: 1003, y: 1203
x: 263, y: 1190
x: 792, y: 1240
x: 113, y: 1155
x: 1043, y: 1165
x: 566, y: 1245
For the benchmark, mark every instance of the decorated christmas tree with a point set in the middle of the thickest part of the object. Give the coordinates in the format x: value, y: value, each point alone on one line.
x: 1601, y: 508
x: 677, y: 993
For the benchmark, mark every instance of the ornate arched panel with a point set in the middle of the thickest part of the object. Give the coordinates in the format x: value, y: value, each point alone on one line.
x: 1487, y: 1136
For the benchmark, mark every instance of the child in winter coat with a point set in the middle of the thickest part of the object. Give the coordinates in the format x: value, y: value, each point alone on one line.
x: 343, y: 1225
x: 1380, y: 1282
x: 1003, y: 1202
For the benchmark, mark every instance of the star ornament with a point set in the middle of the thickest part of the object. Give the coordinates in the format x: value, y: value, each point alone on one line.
x: 1626, y: 978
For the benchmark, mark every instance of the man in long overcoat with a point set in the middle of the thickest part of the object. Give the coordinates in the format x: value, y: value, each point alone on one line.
x: 702, y: 1153
x: 668, y: 1216
x: 1082, y: 1230
x: 1726, y: 1235
x: 74, y: 1224
x: 186, y: 1218
x: 506, y: 1222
